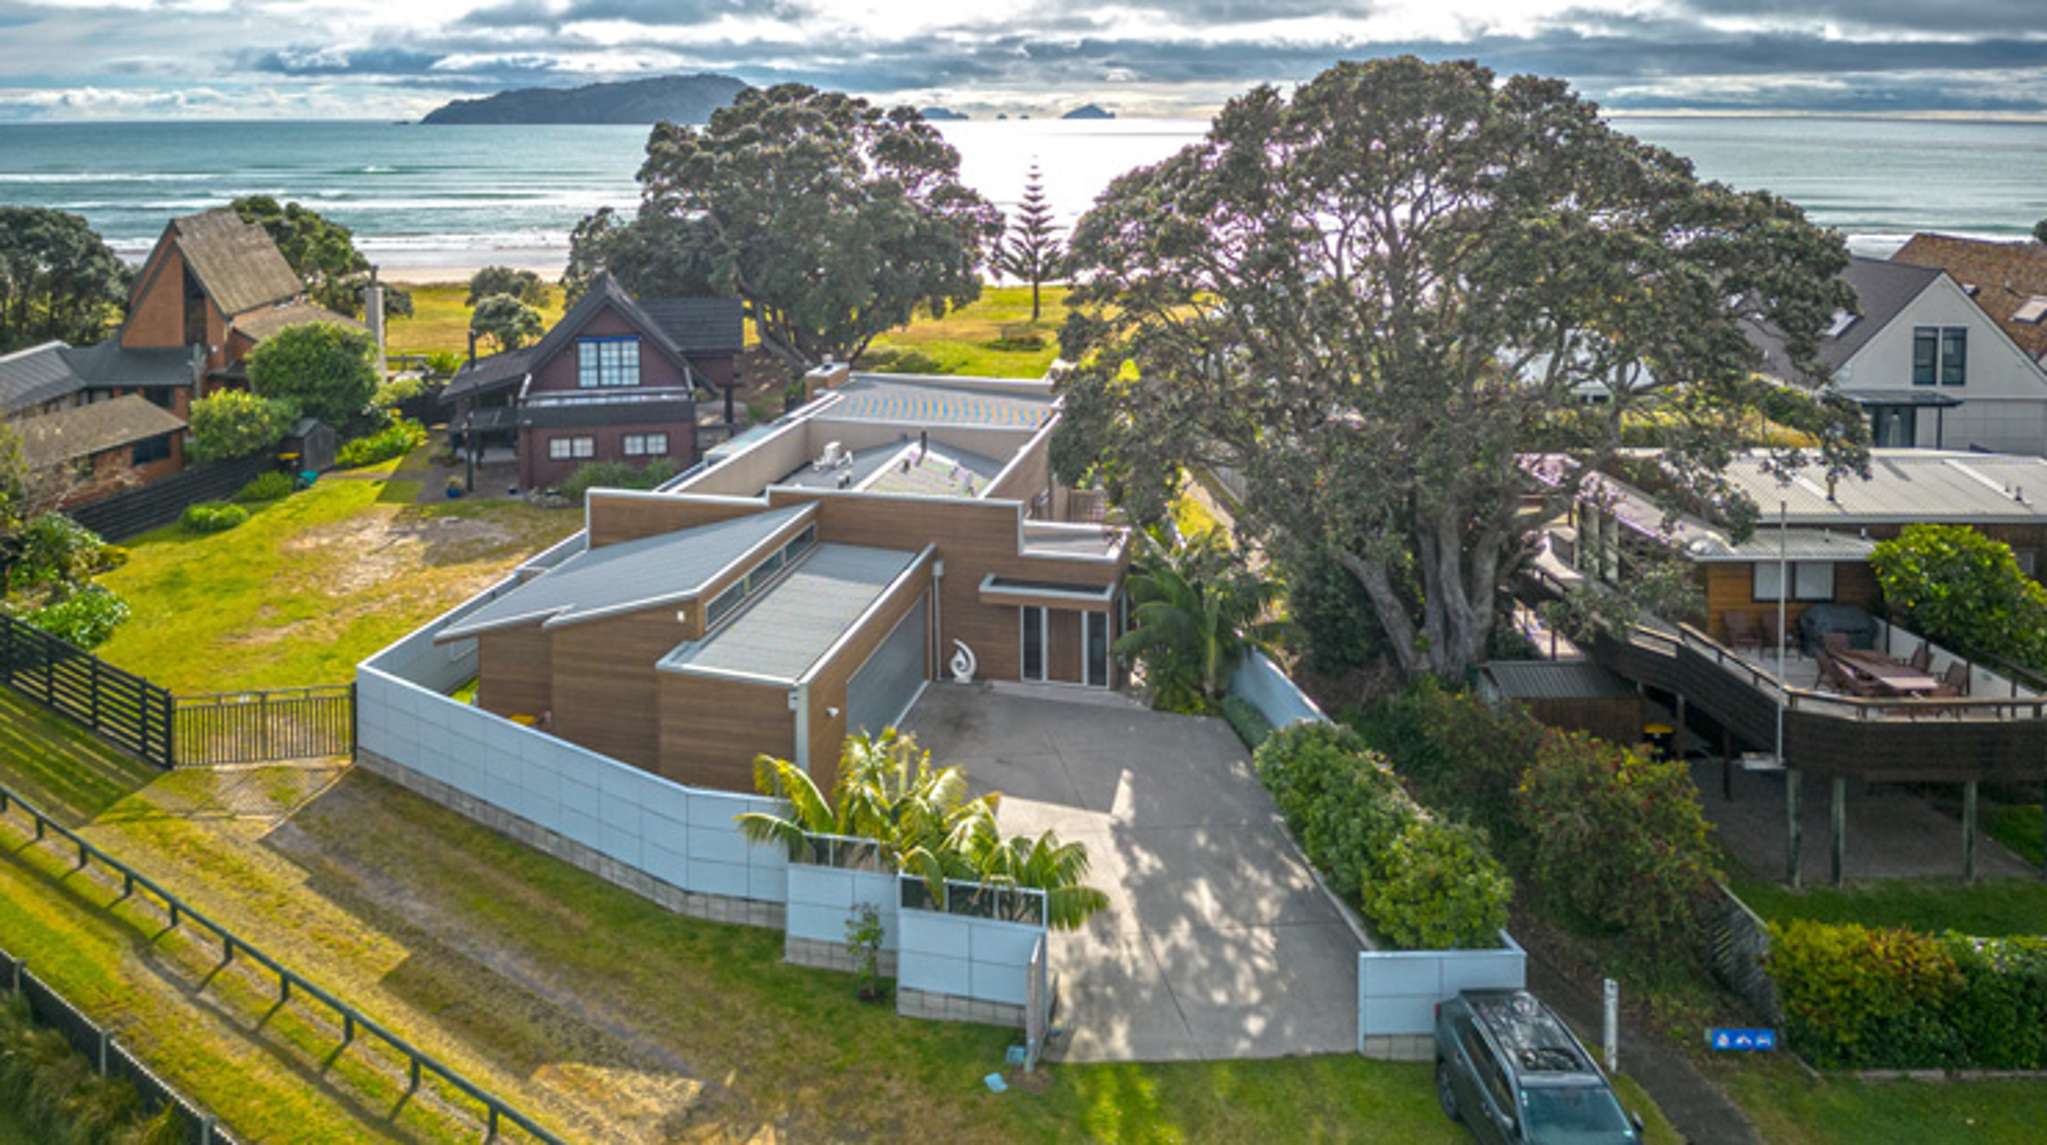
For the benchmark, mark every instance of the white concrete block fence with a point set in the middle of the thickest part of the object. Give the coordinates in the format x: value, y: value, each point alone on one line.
x: 677, y: 845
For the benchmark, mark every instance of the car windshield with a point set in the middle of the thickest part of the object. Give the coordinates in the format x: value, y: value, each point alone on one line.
x: 1573, y: 1115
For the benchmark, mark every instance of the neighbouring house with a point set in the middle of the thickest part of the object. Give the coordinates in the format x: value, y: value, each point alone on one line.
x: 102, y: 448
x: 614, y: 380
x: 807, y: 581
x: 2007, y: 279
x: 212, y: 288
x: 1928, y: 365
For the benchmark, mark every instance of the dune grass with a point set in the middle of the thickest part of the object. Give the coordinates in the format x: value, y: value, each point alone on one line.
x: 311, y: 584
x: 440, y: 319
x: 1988, y: 909
x: 962, y: 342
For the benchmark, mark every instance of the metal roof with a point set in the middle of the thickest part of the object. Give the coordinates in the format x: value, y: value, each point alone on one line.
x: 82, y: 431
x: 874, y: 397
x: 36, y: 375
x: 1555, y: 680
x: 511, y: 365
x: 786, y: 629
x: 264, y: 321
x: 629, y: 575
x: 941, y: 471
x: 1883, y: 289
x: 1905, y: 486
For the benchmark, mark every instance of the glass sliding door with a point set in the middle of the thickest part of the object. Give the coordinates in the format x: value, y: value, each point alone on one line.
x: 1032, y: 618
x: 1095, y: 667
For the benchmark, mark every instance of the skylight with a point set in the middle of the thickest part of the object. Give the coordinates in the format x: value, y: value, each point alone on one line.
x: 2033, y: 312
x: 1842, y: 320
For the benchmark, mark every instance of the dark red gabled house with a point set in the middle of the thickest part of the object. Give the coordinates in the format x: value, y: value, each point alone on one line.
x: 614, y: 380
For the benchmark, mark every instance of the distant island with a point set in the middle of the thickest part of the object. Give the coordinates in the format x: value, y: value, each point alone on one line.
x: 937, y: 113
x: 1088, y: 111
x: 673, y: 99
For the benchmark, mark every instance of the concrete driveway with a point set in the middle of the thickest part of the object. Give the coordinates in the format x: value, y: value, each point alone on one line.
x: 1217, y: 943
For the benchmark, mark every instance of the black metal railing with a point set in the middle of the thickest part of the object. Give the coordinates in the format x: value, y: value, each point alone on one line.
x: 254, y: 727
x: 124, y: 709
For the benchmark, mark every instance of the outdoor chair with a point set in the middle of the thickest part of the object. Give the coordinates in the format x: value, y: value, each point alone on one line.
x: 1770, y: 632
x: 1741, y: 631
x: 1834, y: 642
x: 1922, y: 657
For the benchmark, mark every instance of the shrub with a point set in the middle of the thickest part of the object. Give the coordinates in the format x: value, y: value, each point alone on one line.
x: 1248, y: 722
x: 1618, y: 839
x: 1419, y: 882
x: 213, y: 516
x: 324, y: 368
x: 1954, y: 585
x: 397, y: 392
x: 395, y: 440
x: 237, y: 423
x: 1017, y: 343
x: 1336, y: 629
x: 616, y: 475
x: 85, y: 618
x: 267, y: 486
x: 1457, y: 755
x: 1860, y: 997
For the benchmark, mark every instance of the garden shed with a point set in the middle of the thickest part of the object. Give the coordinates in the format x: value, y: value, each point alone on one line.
x: 1575, y: 695
x: 309, y: 447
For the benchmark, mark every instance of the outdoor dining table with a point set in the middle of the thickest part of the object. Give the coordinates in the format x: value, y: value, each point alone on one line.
x: 1892, y: 675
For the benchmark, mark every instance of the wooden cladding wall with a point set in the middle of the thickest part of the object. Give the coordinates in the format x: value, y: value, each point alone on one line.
x: 616, y: 517
x: 828, y: 687
x: 1730, y: 588
x: 1030, y: 475
x: 604, y: 682
x: 515, y: 671
x: 710, y: 729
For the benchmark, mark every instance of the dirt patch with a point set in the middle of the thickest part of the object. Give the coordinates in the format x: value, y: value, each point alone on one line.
x: 367, y: 550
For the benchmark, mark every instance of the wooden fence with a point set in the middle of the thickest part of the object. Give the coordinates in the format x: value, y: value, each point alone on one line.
x: 252, y: 727
x: 124, y: 709
x: 160, y: 502
x: 1739, y: 944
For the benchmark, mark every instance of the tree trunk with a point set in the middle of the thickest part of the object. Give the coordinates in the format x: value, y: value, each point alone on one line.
x: 1034, y: 300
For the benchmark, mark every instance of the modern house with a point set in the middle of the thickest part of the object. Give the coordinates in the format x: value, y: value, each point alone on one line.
x: 1930, y: 367
x: 212, y: 288
x: 2007, y: 279
x: 614, y: 380
x: 805, y: 583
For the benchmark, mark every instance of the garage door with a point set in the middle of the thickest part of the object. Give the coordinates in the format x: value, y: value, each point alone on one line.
x: 882, y: 688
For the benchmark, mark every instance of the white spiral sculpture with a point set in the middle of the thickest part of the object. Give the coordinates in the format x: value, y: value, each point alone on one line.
x: 963, y: 663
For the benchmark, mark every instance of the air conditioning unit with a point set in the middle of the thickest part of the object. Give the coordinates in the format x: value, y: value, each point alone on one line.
x: 831, y: 457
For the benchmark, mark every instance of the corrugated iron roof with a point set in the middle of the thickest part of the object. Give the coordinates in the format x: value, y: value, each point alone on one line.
x: 1555, y: 680
x: 872, y: 397
x: 262, y: 323
x: 1905, y: 485
x: 784, y: 631
x: 82, y: 431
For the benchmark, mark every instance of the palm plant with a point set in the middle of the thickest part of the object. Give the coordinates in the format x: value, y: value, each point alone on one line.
x: 1198, y: 610
x: 1048, y: 865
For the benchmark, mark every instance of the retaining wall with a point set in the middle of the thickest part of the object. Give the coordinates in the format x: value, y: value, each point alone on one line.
x: 1259, y: 682
x: 961, y: 968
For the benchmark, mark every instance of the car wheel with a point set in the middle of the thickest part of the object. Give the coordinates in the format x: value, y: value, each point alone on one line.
x: 1446, y: 1091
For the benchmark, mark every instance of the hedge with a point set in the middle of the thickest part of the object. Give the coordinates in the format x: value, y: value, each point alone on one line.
x: 267, y: 486
x: 1247, y: 721
x: 1857, y: 997
x: 1421, y: 883
x: 395, y: 440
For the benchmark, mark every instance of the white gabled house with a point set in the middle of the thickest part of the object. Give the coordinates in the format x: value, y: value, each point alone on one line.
x: 1931, y: 369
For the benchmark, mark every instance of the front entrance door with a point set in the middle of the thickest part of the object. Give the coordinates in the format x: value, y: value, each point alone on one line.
x: 1893, y: 427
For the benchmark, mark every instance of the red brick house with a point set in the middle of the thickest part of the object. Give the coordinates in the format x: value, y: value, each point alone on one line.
x: 613, y: 380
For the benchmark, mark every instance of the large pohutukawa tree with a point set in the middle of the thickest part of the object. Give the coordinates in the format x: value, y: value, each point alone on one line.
x: 1373, y: 299
x: 834, y: 220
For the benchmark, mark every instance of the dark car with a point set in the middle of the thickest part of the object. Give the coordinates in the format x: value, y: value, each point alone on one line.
x: 1512, y: 1072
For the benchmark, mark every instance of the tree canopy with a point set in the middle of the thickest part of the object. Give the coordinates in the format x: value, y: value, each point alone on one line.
x: 322, y: 252
x: 833, y: 220
x: 506, y: 320
x: 324, y: 369
x: 1373, y: 299
x: 524, y: 285
x: 1031, y: 252
x: 58, y: 280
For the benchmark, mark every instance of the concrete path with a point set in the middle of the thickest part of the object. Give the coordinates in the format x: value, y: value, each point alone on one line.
x: 1217, y: 943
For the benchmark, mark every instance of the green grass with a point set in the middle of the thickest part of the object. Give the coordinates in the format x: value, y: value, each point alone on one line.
x: 2018, y: 826
x: 1791, y: 1109
x: 440, y: 319
x: 60, y: 767
x: 311, y: 584
x: 960, y: 342
x: 1987, y: 909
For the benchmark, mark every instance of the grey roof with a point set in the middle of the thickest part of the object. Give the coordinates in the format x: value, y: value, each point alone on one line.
x: 109, y: 363
x: 895, y: 398
x: 878, y: 469
x: 36, y: 375
x: 1704, y: 542
x: 509, y: 366
x: 1904, y: 486
x: 82, y: 431
x: 236, y: 262
x: 628, y: 575
x: 1882, y: 289
x: 264, y: 321
x: 700, y: 325
x: 784, y: 631
x: 1555, y: 679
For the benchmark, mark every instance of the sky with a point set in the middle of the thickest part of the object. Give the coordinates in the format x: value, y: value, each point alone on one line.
x: 150, y: 59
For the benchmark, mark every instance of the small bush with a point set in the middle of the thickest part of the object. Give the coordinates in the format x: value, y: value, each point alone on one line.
x: 1017, y: 343
x: 884, y: 360
x: 266, y: 487
x: 1438, y: 888
x: 1457, y: 755
x: 395, y: 440
x: 397, y: 392
x: 55, y: 1091
x: 1249, y: 723
x: 85, y: 618
x: 213, y: 516
x: 616, y: 475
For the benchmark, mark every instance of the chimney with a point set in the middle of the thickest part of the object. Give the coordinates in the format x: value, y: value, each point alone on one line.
x: 373, y: 312
x: 829, y: 376
x: 472, y: 347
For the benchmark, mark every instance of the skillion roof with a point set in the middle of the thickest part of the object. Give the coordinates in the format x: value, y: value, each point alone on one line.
x: 780, y: 635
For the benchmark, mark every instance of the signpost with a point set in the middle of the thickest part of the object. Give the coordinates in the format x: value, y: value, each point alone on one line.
x: 1742, y: 1039
x: 1613, y: 1026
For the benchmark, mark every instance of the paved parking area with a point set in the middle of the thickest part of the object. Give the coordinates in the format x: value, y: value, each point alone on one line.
x: 1217, y: 943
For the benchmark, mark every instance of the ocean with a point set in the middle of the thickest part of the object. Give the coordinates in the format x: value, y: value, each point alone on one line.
x: 454, y: 197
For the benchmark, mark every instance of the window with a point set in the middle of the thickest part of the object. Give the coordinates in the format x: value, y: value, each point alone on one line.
x: 1940, y: 354
x: 1810, y: 581
x: 2033, y: 312
x: 156, y: 448
x: 607, y: 362
x: 757, y: 577
x: 646, y: 445
x: 1033, y: 621
x: 799, y: 543
x: 568, y: 448
x: 722, y: 604
x: 159, y: 396
x: 1097, y: 630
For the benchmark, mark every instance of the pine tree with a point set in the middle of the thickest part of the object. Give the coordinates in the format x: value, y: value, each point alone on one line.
x: 1032, y: 251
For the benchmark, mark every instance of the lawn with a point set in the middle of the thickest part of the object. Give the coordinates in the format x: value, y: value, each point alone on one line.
x: 440, y: 319
x: 1987, y: 909
x: 2018, y: 826
x: 313, y: 583
x: 1791, y: 1109
x: 60, y: 767
x: 961, y: 342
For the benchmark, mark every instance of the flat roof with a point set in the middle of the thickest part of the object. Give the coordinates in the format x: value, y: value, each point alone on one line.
x: 1904, y: 486
x: 781, y: 633
x: 1703, y: 542
x: 628, y: 575
x: 901, y: 466
x: 894, y: 398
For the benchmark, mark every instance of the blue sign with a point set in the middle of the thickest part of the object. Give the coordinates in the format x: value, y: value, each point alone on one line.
x: 1741, y: 1040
